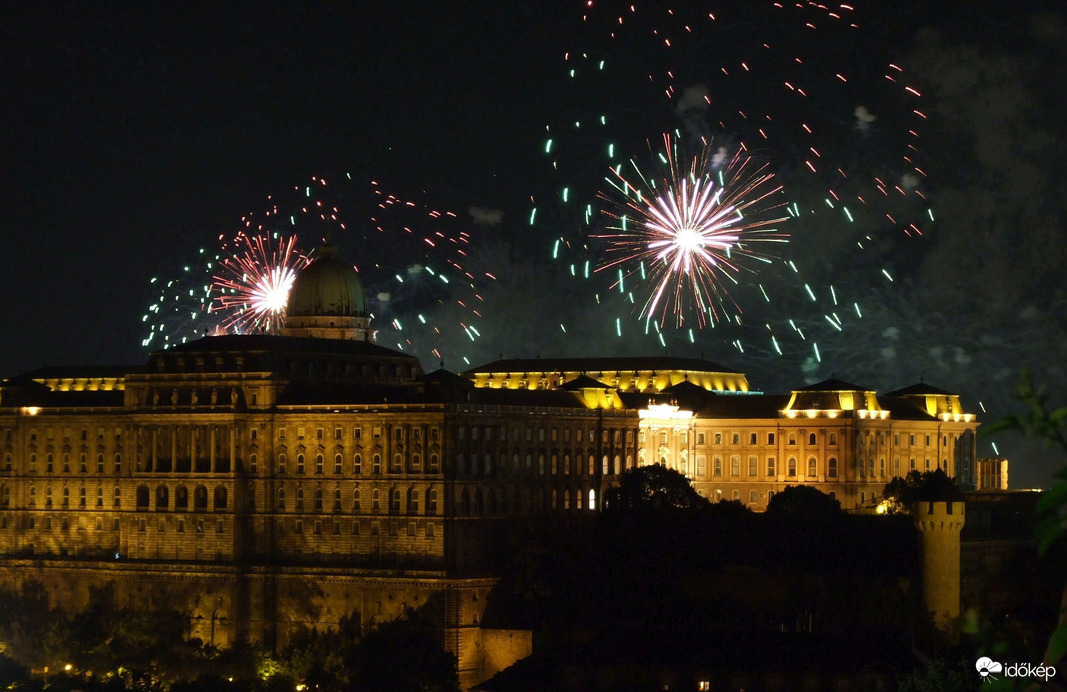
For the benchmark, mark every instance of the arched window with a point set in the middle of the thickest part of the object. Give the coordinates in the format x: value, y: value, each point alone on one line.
x: 33, y: 497
x: 66, y: 496
x: 142, y: 496
x: 99, y: 496
x: 33, y: 463
x: 811, y: 439
x: 792, y: 438
x: 541, y: 465
x: 281, y: 498
x: 831, y: 468
x: 394, y: 501
x: 578, y: 498
x: 81, y: 496
x: 770, y: 496
x: 566, y: 499
x: 618, y: 464
x: 376, y: 464
x: 253, y: 463
x: 220, y: 497
x: 555, y: 500
x: 792, y: 467
x: 813, y: 467
x: 66, y: 463
x: 48, y: 463
x: 356, y: 506
x: 357, y: 465
x: 435, y: 463
x: 416, y: 462
x: 604, y: 468
x: 555, y: 464
x: 99, y: 463
x: 488, y: 468
x: 300, y: 463
x: 338, y: 464
x: 318, y: 499
x: 281, y: 464
x: 300, y: 499
x: 592, y: 499
x: 162, y: 497
x: 181, y: 497
x: 83, y: 464
x: 375, y: 501
x: 118, y: 497
x: 413, y: 501
x: 200, y: 498
x: 431, y: 501
x: 566, y: 464
x: 881, y: 467
x: 398, y: 464
x: 833, y: 439
x: 319, y: 464
x: 118, y: 463
x: 337, y: 499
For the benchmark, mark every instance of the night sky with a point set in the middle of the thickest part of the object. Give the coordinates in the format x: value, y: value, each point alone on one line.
x: 134, y: 134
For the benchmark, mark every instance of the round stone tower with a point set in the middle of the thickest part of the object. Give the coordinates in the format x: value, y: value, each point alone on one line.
x: 939, y: 522
x: 327, y: 301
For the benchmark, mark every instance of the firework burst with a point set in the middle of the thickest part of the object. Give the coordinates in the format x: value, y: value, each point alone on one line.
x: 692, y: 231
x: 252, y: 287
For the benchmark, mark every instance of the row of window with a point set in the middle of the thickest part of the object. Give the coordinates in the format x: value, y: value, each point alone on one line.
x: 66, y: 465
x: 297, y: 500
x: 376, y: 431
x: 487, y: 433
x: 356, y: 528
x: 552, y: 466
x: 299, y: 467
x: 478, y: 504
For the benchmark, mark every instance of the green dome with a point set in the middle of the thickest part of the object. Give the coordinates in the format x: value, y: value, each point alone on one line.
x: 328, y: 287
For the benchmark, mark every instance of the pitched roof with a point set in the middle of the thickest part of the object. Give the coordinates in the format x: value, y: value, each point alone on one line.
x: 609, y: 364
x: 834, y: 385
x: 921, y: 388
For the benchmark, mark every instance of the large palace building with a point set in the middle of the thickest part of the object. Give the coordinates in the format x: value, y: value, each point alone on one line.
x: 273, y: 481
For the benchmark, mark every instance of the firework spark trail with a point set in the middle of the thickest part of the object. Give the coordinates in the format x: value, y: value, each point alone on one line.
x: 841, y: 135
x: 252, y: 287
x: 698, y: 227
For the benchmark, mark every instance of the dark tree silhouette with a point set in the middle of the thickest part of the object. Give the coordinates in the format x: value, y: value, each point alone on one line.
x: 653, y: 488
x: 803, y: 502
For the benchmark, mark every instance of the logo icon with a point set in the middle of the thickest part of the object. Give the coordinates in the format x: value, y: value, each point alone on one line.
x: 986, y: 667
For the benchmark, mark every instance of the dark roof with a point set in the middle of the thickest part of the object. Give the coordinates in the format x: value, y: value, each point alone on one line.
x: 583, y: 382
x: 600, y: 365
x: 904, y: 408
x: 919, y: 389
x: 77, y: 372
x: 548, y: 398
x: 834, y: 385
x: 289, y: 344
x: 341, y: 393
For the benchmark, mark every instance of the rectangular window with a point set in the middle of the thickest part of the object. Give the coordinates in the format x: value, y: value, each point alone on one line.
x: 298, y: 526
x: 770, y: 466
x: 375, y: 528
x: 702, y: 466
x: 318, y: 526
x: 718, y: 438
x: 355, y: 527
x: 752, y: 497
x: 716, y: 467
x: 752, y: 438
x: 430, y: 530
x: 927, y: 440
x: 770, y: 438
x: 413, y: 529
x: 700, y: 438
x: 219, y: 526
x: 736, y: 438
x: 318, y: 433
x: 735, y: 466
x: 181, y: 526
x: 281, y: 433
x: 753, y: 467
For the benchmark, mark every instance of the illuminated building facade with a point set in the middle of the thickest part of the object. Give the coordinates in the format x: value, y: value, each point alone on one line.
x: 270, y: 481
